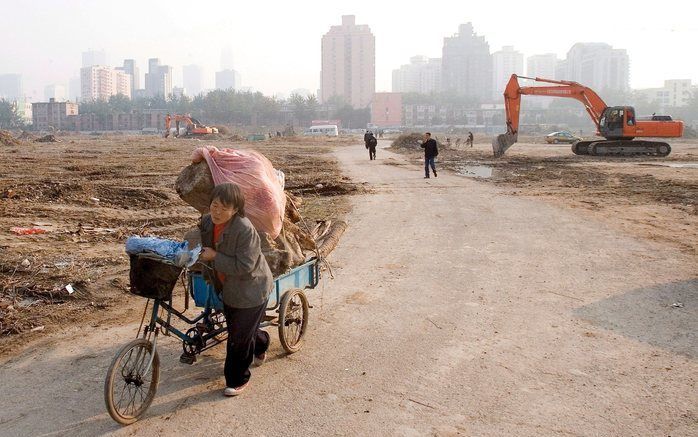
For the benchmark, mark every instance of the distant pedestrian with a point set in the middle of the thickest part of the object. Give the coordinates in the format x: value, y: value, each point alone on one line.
x: 431, y: 151
x: 470, y: 139
x: 168, y: 122
x: 371, y: 144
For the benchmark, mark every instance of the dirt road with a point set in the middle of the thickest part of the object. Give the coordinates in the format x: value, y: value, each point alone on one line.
x: 454, y: 311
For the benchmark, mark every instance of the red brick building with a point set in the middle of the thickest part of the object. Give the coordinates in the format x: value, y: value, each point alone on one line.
x: 386, y: 110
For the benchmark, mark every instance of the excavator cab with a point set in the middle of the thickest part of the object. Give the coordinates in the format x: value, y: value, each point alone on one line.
x: 617, y: 123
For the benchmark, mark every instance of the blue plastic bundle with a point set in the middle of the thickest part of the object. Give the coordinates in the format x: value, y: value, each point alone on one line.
x: 176, y: 252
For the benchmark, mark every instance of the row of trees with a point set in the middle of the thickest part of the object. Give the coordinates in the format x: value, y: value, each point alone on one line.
x: 255, y: 109
x: 238, y: 108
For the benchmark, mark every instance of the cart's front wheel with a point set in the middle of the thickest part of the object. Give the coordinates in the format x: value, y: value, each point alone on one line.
x: 293, y: 320
x: 131, y: 381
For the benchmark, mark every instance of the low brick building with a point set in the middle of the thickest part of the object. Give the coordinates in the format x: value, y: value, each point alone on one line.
x: 53, y: 115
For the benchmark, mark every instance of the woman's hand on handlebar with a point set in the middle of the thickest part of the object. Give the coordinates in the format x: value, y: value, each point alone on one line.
x: 207, y: 254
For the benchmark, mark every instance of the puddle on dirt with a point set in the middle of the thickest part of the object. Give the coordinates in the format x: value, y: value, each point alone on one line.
x: 672, y: 164
x: 476, y: 171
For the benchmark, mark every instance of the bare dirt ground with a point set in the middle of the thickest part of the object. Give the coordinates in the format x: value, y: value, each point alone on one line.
x: 90, y: 194
x: 456, y: 309
x: 651, y: 197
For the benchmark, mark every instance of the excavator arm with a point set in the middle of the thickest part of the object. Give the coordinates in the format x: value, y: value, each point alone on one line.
x: 593, y: 104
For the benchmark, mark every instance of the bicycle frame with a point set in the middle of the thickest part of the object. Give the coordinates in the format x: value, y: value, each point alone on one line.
x: 156, y: 320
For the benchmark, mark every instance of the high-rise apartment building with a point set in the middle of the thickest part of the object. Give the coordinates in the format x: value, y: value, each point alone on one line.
x: 193, y: 79
x: 99, y: 83
x: 543, y: 66
x: 131, y: 68
x: 466, y: 64
x: 598, y: 66
x: 505, y: 62
x: 158, y: 79
x: 228, y: 79
x: 422, y: 75
x: 348, y: 63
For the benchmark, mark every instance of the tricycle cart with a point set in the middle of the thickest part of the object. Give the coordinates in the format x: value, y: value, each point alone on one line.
x: 134, y: 373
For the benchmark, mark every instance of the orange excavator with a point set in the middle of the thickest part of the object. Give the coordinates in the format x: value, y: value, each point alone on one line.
x: 194, y: 127
x: 618, y: 124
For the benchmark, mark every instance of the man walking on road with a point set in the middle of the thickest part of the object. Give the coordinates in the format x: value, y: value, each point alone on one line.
x: 371, y: 143
x: 470, y: 139
x: 431, y: 151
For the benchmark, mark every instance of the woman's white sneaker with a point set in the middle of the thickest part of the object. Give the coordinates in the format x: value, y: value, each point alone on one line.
x: 234, y: 391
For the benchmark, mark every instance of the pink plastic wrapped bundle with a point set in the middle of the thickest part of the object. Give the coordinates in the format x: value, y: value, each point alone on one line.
x: 265, y: 200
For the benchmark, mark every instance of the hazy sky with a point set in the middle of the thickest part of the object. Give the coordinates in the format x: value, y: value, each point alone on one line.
x: 276, y: 44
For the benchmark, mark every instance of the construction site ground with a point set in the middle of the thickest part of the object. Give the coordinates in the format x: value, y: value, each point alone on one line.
x: 89, y: 194
x: 556, y: 296
x: 651, y: 197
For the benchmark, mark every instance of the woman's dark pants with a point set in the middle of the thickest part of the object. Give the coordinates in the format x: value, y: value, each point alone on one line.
x: 245, y: 340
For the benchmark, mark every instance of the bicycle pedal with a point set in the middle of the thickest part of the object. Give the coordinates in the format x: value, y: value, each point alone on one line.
x: 187, y: 359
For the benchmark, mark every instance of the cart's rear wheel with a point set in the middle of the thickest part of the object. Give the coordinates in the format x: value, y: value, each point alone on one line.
x: 293, y: 320
x: 132, y: 381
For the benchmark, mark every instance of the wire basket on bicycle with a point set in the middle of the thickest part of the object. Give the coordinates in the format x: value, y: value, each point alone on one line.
x: 153, y: 277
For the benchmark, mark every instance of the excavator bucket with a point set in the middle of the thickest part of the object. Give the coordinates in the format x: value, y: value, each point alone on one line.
x: 502, y: 142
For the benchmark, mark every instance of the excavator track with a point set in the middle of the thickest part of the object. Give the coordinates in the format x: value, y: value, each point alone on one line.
x: 581, y: 147
x: 625, y: 148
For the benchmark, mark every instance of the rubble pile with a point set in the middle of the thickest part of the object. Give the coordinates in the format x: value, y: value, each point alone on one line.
x: 47, y: 139
x: 6, y: 139
x: 408, y: 141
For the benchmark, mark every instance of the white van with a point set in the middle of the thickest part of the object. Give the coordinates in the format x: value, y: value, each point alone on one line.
x: 326, y: 130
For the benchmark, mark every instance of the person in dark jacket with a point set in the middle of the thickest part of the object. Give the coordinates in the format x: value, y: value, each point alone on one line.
x: 431, y: 151
x: 371, y: 144
x: 242, y: 277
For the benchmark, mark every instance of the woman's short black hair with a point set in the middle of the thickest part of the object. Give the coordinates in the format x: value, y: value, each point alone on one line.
x: 229, y: 194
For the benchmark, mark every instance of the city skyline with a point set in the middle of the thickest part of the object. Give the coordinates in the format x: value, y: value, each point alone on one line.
x: 276, y: 63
